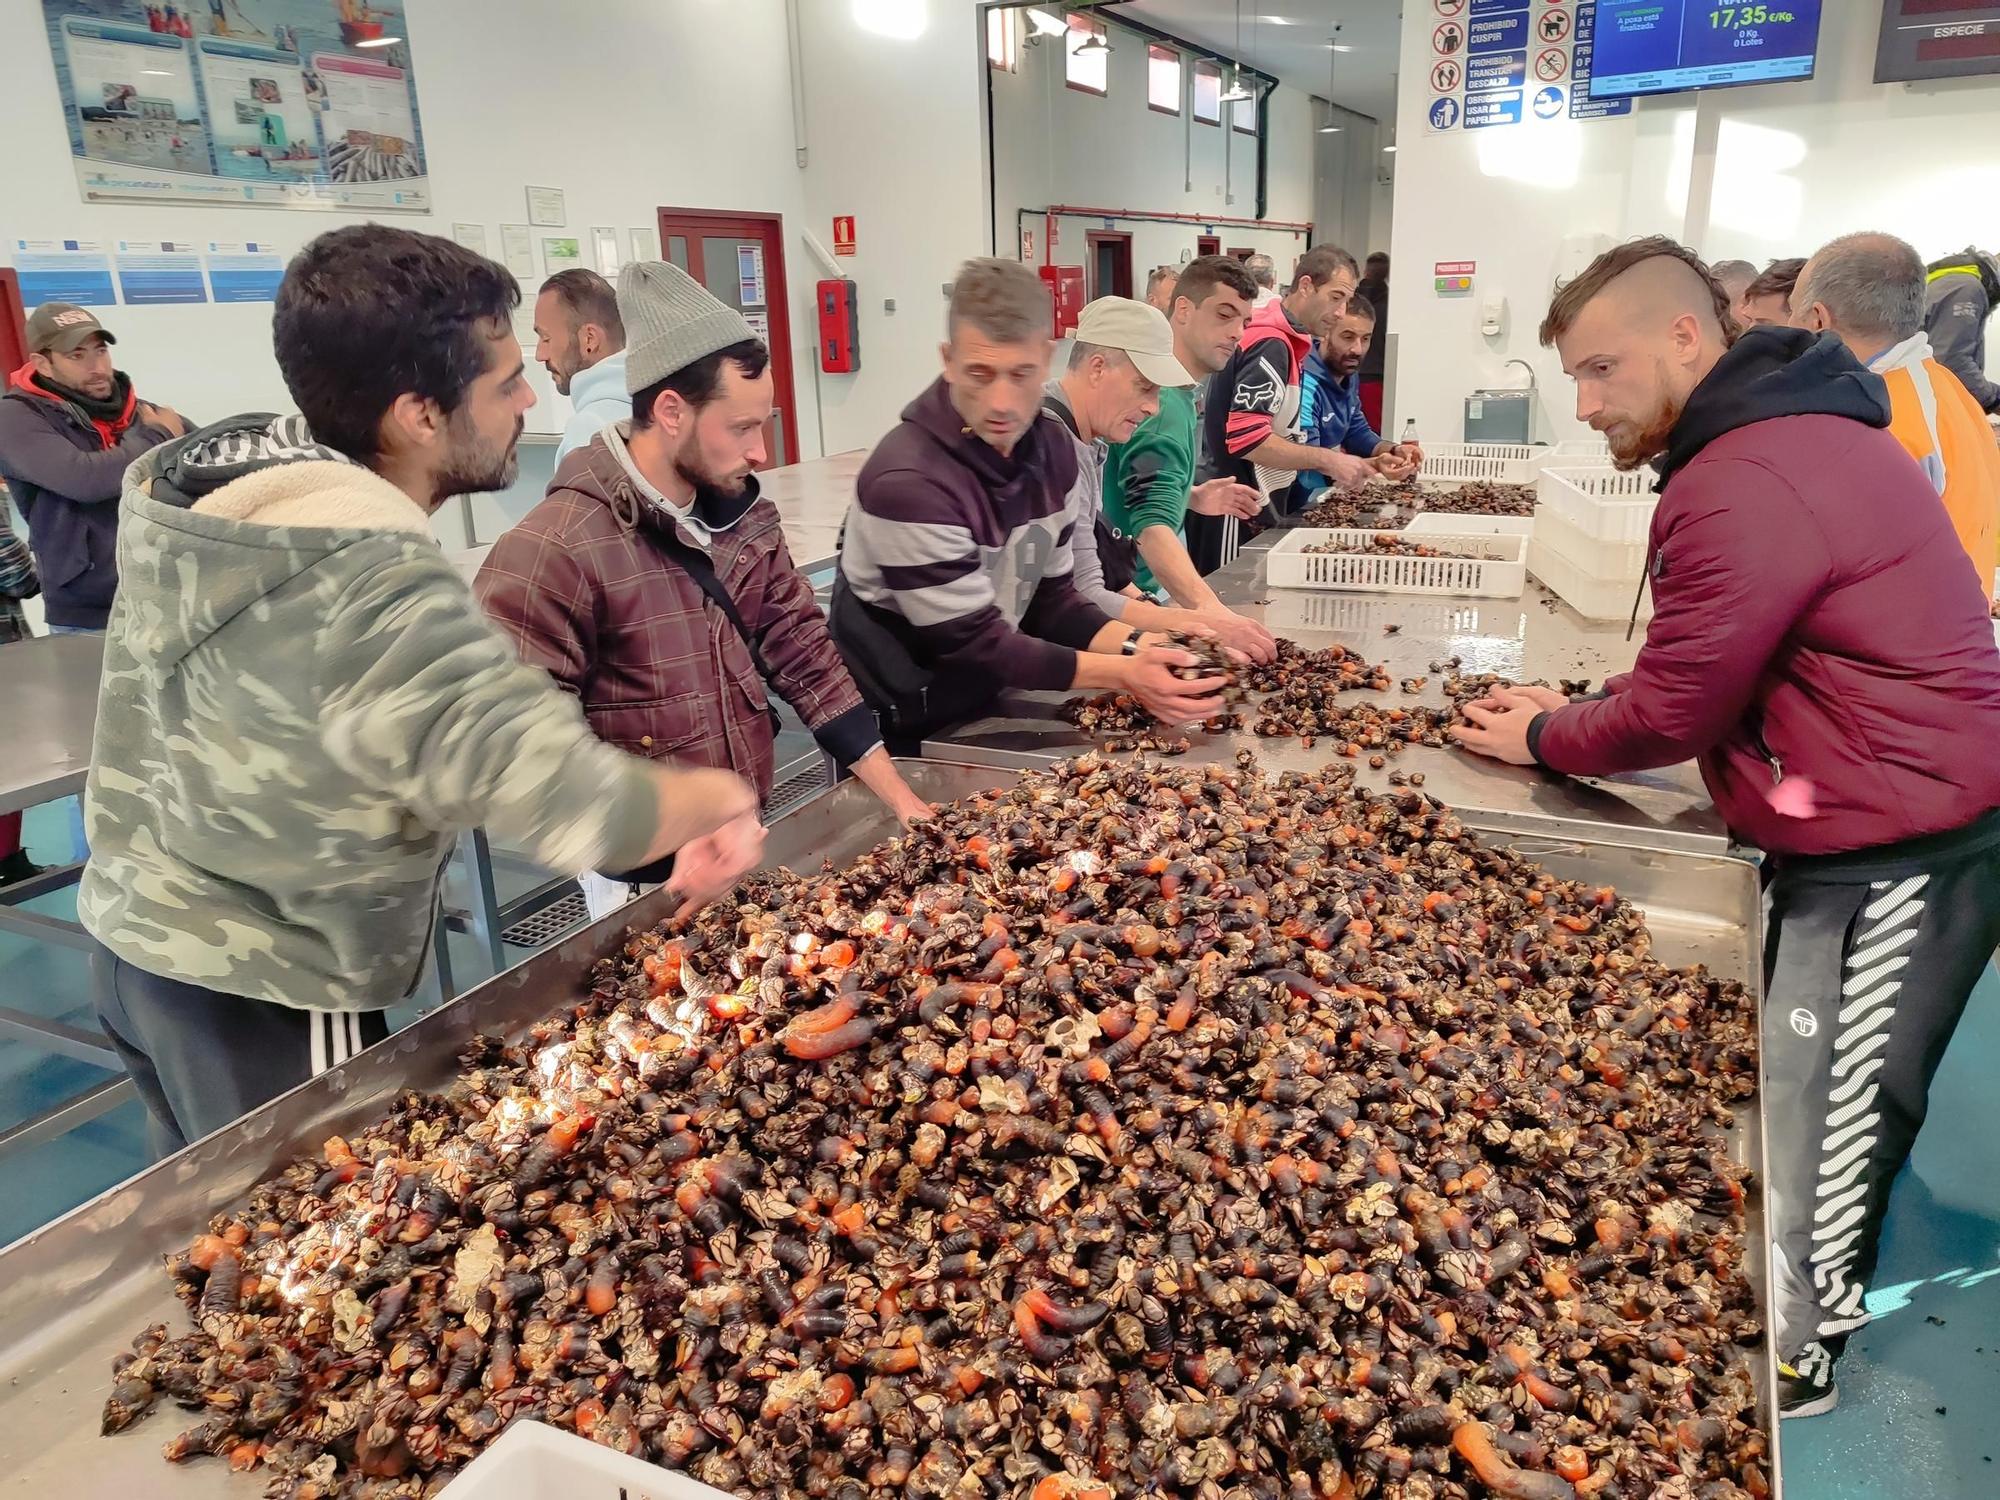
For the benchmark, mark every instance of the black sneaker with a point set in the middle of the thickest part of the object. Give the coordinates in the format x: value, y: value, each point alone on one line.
x: 1803, y: 1395
x: 16, y: 867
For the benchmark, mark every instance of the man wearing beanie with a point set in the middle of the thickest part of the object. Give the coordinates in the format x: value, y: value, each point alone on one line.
x: 655, y: 584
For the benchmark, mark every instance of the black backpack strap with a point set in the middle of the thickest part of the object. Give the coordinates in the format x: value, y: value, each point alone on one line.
x: 695, y: 563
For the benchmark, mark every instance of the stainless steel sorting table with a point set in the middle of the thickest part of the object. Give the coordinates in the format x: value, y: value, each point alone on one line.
x: 1534, y: 636
x: 77, y: 1291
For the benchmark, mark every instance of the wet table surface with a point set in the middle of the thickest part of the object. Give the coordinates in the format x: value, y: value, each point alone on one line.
x: 1534, y: 637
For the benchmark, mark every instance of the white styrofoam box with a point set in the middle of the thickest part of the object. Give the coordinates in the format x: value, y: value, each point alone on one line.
x: 533, y: 1461
x: 1447, y: 523
x: 1593, y: 598
x: 1606, y: 504
x: 1496, y: 568
x: 1623, y: 561
x: 1465, y: 463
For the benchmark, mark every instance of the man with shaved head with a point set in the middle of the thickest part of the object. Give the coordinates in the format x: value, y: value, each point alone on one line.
x: 1820, y: 648
x: 1869, y: 289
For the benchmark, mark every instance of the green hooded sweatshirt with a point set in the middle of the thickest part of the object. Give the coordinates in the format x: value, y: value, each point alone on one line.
x: 302, y: 706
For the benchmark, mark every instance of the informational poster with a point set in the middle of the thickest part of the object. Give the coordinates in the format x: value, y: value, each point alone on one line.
x: 517, y: 250
x: 546, y: 208
x: 244, y: 270
x: 159, y: 272
x: 561, y: 253
x: 472, y: 236
x: 271, y: 103
x: 750, y: 275
x: 1501, y: 62
x: 64, y: 271
x: 604, y: 244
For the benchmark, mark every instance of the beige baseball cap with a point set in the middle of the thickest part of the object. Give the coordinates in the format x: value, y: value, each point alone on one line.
x: 63, y: 327
x: 1138, y: 330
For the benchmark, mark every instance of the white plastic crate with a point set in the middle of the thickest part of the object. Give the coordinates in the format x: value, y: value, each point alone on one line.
x: 1617, y: 561
x: 1432, y: 523
x: 1593, y: 598
x: 1606, y: 505
x: 533, y: 1461
x: 1466, y: 463
x: 1315, y: 609
x: 1596, y: 449
x: 1502, y: 575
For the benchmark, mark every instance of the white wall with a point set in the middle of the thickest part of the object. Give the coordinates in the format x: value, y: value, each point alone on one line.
x: 627, y: 105
x: 1796, y: 164
x: 897, y: 139
x: 1054, y: 144
x: 1345, y: 193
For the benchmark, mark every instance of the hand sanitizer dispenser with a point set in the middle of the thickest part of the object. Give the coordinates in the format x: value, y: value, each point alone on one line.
x: 1493, y: 316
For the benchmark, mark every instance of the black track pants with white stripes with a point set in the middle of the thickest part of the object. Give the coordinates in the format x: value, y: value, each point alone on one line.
x: 201, y: 1059
x: 1868, y: 964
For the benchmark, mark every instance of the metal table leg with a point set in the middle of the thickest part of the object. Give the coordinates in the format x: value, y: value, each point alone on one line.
x: 485, y: 913
x: 441, y: 959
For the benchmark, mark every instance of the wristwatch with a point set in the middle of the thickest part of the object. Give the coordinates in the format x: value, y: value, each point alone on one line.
x: 1131, y: 646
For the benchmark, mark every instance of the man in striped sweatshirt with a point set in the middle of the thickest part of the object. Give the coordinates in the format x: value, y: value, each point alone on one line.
x: 956, y: 574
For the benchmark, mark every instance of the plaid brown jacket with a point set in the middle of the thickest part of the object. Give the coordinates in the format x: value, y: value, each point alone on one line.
x: 585, y: 590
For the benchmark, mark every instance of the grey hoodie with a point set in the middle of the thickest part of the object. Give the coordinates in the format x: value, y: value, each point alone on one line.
x: 301, y: 706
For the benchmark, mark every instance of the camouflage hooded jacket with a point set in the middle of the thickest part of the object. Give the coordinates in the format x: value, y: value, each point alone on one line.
x: 301, y: 705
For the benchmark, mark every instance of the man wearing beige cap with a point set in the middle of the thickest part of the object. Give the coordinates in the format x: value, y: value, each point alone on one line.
x: 70, y: 425
x: 1122, y: 358
x: 654, y: 583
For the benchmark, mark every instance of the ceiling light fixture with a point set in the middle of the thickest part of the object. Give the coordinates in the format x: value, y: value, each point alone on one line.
x: 1096, y: 43
x: 1333, y: 45
x: 379, y: 41
x: 1388, y: 150
x: 1045, y: 24
x: 1238, y: 93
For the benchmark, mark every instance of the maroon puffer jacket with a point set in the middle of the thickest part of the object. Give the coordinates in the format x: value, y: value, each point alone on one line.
x: 1814, y: 618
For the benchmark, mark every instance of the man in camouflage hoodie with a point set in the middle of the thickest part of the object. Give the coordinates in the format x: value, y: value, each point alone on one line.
x: 302, y: 704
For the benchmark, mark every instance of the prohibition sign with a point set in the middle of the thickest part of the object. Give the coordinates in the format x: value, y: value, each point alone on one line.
x: 1445, y: 77
x: 1447, y: 39
x: 1551, y: 64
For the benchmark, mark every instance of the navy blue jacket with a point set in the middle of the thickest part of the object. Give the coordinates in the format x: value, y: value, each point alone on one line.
x: 66, y: 472
x: 1331, y: 416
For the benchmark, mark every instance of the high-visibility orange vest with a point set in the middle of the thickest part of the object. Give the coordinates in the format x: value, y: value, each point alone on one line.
x: 1936, y: 419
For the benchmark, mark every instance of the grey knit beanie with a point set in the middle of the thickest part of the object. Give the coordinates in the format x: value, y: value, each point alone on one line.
x: 671, y: 320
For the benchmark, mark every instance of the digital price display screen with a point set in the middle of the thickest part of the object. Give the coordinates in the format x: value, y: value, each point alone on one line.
x: 1665, y: 46
x: 1937, y: 39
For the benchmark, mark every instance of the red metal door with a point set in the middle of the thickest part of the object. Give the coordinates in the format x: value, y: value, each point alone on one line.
x: 740, y: 257
x: 13, y: 324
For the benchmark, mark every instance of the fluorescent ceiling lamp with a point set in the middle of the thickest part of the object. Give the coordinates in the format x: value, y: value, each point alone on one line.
x: 1338, y: 47
x: 1329, y: 130
x: 902, y: 20
x: 1388, y: 150
x: 379, y: 41
x: 1045, y: 24
x: 1277, y: 20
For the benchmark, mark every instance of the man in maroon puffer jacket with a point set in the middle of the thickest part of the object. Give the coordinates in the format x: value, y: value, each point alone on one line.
x: 1820, y: 648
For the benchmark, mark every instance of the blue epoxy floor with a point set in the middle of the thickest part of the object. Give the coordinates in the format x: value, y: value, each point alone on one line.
x: 1919, y: 1417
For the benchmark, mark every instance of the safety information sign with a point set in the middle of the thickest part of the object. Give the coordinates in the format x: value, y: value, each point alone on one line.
x: 1498, y: 62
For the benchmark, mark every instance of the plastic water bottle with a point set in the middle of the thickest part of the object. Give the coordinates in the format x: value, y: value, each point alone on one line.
x: 1410, y: 430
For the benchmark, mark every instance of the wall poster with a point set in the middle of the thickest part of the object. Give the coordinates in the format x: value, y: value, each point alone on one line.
x: 271, y: 103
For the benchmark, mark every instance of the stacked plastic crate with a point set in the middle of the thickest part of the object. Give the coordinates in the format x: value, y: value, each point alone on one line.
x: 1591, y: 525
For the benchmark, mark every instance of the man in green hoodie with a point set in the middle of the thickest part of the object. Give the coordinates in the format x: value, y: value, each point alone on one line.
x: 302, y: 704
